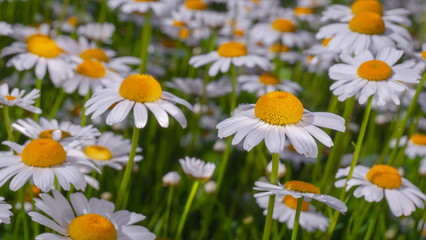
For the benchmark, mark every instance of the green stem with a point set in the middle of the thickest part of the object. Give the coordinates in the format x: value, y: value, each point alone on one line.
x: 23, y: 213
x: 186, y: 209
x: 167, y: 215
x: 223, y: 164
x: 83, y: 112
x: 35, y: 224
x: 6, y: 120
x: 62, y: 15
x: 102, y: 12
x: 126, y: 178
x: 234, y: 83
x: 271, y: 203
x: 146, y: 38
x: 296, y: 219
x: 58, y: 103
x: 373, y: 223
x: 38, y: 100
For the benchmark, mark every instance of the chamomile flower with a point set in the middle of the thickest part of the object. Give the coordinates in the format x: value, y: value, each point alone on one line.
x: 285, y: 211
x: 312, y: 3
x: 137, y: 92
x: 229, y: 53
x: 194, y: 9
x: 86, y: 219
x: 42, y: 161
x: 283, y: 52
x: 281, y: 30
x: 158, y: 7
x: 298, y: 189
x: 421, y: 56
x: 101, y: 32
x: 267, y: 82
x: 171, y: 178
x: 5, y: 212
x: 108, y: 150
x: 47, y: 129
x: 195, y: 86
x: 277, y: 116
x: 24, y: 33
x: 16, y: 98
x: 416, y: 145
x: 365, y: 75
x: 197, y: 168
x: 365, y: 31
x: 5, y: 29
x: 402, y: 196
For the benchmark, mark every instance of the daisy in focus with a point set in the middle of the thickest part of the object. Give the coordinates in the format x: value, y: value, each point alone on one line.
x: 16, y: 98
x: 234, y: 53
x: 365, y: 75
x: 137, y: 92
x: 267, y: 82
x: 277, y: 116
x: 298, y: 189
x: 87, y: 219
x: 5, y: 212
x: 197, y: 168
x: 382, y: 180
x: 43, y: 161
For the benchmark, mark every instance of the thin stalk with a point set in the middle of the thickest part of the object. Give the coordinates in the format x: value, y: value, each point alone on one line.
x: 102, y: 12
x: 186, y: 209
x: 373, y: 223
x: 58, y: 103
x: 24, y: 214
x: 126, y: 177
x: 83, y: 111
x: 145, y: 39
x: 6, y: 120
x: 62, y: 15
x: 296, y: 219
x: 167, y: 214
x: 38, y: 100
x: 233, y: 94
x: 271, y: 203
x: 35, y: 224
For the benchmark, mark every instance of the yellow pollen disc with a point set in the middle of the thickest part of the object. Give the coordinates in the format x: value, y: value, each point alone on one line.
x: 384, y: 176
x: 195, y: 5
x: 184, y: 33
x: 232, y: 49
x: 268, y: 78
x: 10, y: 98
x: 326, y: 41
x: 43, y: 46
x: 91, y: 68
x: 283, y: 25
x: 140, y: 88
x: 179, y: 23
x: 239, y: 33
x: 292, y: 203
x: 35, y: 192
x: 367, y: 6
x: 94, y: 53
x: 300, y: 186
x: 72, y: 21
x: 47, y: 134
x: 279, y: 108
x: 31, y: 37
x: 92, y: 226
x: 303, y: 11
x: 424, y: 55
x: 367, y: 23
x: 418, y: 139
x: 374, y: 70
x: 97, y: 152
x: 43, y: 153
x: 278, y: 48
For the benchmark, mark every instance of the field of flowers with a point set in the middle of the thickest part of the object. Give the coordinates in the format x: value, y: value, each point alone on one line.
x: 212, y: 119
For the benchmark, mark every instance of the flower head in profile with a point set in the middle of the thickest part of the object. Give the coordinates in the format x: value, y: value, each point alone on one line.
x: 267, y: 82
x: 276, y: 117
x: 5, y: 212
x: 382, y: 180
x: 197, y: 168
x: 171, y: 178
x: 137, y: 92
x: 16, y: 98
x: 87, y: 219
x: 101, y: 32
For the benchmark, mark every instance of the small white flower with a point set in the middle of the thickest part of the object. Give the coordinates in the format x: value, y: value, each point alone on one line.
x: 5, y: 212
x: 171, y: 179
x: 267, y: 82
x: 159, y: 7
x: 197, y: 168
x: 97, y: 31
x: 16, y: 98
x: 210, y: 187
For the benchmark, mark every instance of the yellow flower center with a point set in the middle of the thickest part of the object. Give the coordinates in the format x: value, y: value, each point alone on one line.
x: 92, y: 226
x: 367, y: 23
x: 91, y: 68
x: 97, y: 152
x: 374, y: 70
x: 72, y: 21
x: 177, y: 23
x: 418, y: 139
x: 268, y: 78
x: 94, y: 53
x: 47, y: 134
x: 196, y: 5
x: 292, y: 203
x: 303, y: 11
x: 43, y: 153
x: 278, y: 48
x: 424, y: 55
x: 279, y: 108
x: 232, y: 49
x: 33, y: 36
x: 384, y: 176
x: 184, y: 33
x: 367, y: 6
x: 140, y: 88
x: 10, y: 98
x: 43, y: 46
x: 326, y: 41
x: 283, y: 25
x: 303, y: 187
x: 239, y: 33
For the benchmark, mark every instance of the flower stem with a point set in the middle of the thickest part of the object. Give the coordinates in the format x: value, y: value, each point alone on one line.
x: 167, y: 214
x: 58, y: 103
x: 102, y: 12
x: 6, y: 120
x: 271, y: 203
x: 186, y: 209
x: 38, y: 100
x: 146, y: 38
x: 296, y: 219
x: 24, y: 215
x: 35, y: 224
x: 126, y: 178
x: 83, y: 111
x: 234, y: 83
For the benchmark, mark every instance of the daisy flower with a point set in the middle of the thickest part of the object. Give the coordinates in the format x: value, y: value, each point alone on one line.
x: 402, y: 196
x: 275, y: 116
x: 313, y: 3
x: 197, y: 168
x: 171, y: 179
x: 305, y: 13
x: 5, y: 29
x: 195, y: 86
x: 229, y: 53
x: 416, y: 145
x: 5, y: 212
x: 86, y: 219
x: 100, y: 32
x: 281, y: 30
x: 42, y: 160
x: 16, y: 98
x: 267, y: 82
x: 159, y: 7
x: 24, y: 33
x: 421, y: 56
x: 137, y: 92
x: 298, y: 189
x: 194, y: 9
x: 283, y: 52
x: 45, y: 129
x: 365, y: 75
x: 285, y: 212
x: 281, y: 169
x: 365, y: 31
x: 108, y: 150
